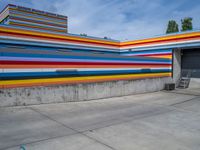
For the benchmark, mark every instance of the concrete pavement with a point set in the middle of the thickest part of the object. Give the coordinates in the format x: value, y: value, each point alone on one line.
x: 160, y: 120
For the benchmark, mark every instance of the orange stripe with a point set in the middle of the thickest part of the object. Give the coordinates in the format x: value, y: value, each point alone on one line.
x: 97, y: 44
x: 57, y: 36
x: 31, y: 13
x: 78, y: 66
x: 37, y: 27
x: 56, y: 40
x: 159, y: 56
x: 163, y: 38
x: 150, y: 41
x: 77, y: 82
x: 160, y: 41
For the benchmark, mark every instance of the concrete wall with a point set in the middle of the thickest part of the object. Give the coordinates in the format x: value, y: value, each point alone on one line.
x: 176, y: 66
x: 79, y: 92
x: 194, y: 83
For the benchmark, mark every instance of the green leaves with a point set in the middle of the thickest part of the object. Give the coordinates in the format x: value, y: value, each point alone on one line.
x: 172, y: 27
x: 186, y: 24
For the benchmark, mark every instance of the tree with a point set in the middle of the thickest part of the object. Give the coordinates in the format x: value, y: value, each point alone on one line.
x: 186, y: 24
x: 83, y: 34
x: 105, y: 37
x: 172, y: 27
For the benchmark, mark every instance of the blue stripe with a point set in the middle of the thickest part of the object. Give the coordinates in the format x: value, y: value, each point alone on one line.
x: 77, y: 73
x: 37, y: 25
x: 149, y: 51
x: 65, y: 34
x: 159, y: 60
x: 18, y: 13
x: 37, y: 21
x: 45, y: 48
x: 77, y: 49
x: 7, y: 41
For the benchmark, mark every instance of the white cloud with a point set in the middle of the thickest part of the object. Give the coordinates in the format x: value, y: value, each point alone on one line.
x: 119, y: 19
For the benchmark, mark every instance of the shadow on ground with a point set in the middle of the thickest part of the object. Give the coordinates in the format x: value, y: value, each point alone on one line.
x: 160, y: 120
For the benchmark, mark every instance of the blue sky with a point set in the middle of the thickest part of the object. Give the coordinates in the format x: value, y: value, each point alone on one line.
x: 118, y: 19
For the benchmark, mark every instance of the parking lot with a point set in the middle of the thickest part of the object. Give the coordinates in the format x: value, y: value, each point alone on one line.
x: 161, y: 120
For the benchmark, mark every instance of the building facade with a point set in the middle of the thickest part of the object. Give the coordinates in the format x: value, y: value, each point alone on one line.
x: 33, y: 19
x: 44, y: 67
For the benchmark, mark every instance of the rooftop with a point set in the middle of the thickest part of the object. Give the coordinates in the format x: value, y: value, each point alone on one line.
x: 34, y: 10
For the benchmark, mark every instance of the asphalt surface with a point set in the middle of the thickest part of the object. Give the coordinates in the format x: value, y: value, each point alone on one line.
x: 161, y: 120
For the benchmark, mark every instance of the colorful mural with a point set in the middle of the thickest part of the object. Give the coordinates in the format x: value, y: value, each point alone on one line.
x: 31, y: 67
x: 33, y: 58
x: 29, y: 18
x: 35, y: 50
x: 26, y: 60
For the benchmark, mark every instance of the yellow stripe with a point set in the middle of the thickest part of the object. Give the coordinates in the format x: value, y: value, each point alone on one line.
x: 31, y: 13
x: 165, y: 56
x: 162, y: 38
x: 36, y: 27
x: 83, y: 39
x: 47, y: 80
x: 49, y: 21
x: 4, y: 29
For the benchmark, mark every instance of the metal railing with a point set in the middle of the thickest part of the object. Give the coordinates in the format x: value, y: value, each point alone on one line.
x: 185, y: 78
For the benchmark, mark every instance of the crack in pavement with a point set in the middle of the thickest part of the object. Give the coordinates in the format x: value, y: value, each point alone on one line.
x: 76, y: 131
x: 127, y: 118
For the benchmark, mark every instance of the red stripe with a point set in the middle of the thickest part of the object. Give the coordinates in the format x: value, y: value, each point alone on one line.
x: 49, y: 16
x: 73, y: 63
x: 174, y: 39
x: 40, y: 22
x: 79, y: 41
x: 37, y: 27
x: 154, y: 54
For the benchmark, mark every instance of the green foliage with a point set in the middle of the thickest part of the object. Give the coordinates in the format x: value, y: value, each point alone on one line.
x: 172, y: 27
x: 83, y: 34
x: 186, y: 24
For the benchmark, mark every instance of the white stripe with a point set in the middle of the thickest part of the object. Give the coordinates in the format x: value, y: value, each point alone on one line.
x: 38, y: 24
x: 139, y: 54
x: 4, y: 14
x: 68, y: 69
x: 90, y: 45
x: 79, y: 60
x: 52, y: 42
x: 166, y: 44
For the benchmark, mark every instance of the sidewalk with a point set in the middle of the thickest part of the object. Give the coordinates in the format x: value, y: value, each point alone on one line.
x: 160, y: 120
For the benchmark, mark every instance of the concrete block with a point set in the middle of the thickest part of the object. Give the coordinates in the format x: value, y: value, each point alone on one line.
x: 79, y: 92
x: 176, y: 66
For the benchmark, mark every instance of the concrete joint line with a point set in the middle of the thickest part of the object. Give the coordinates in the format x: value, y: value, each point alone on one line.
x: 76, y: 131
x: 126, y: 120
x: 37, y: 141
x: 181, y: 93
x: 172, y: 106
x: 185, y: 101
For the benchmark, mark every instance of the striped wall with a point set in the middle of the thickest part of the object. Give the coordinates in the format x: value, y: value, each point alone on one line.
x: 163, y: 53
x: 33, y: 58
x: 33, y: 19
x: 34, y: 67
x: 67, y: 40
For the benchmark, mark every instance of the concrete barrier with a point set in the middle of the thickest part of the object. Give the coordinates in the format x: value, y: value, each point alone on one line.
x: 194, y: 83
x: 79, y: 92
